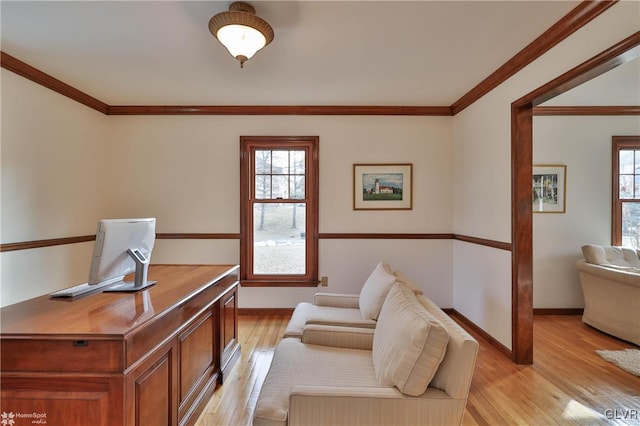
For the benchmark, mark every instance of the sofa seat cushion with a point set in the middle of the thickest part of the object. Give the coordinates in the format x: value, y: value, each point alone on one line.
x: 408, y: 343
x: 307, y: 313
x: 375, y: 290
x: 295, y: 363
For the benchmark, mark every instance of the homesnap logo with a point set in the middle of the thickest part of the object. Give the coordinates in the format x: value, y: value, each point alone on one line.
x: 9, y: 419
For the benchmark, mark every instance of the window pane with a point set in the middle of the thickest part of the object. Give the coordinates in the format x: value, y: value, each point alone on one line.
x: 636, y: 194
x: 631, y: 225
x: 280, y: 186
x: 263, y: 187
x: 626, y: 187
x: 298, y: 162
x: 280, y: 162
x: 279, y: 238
x: 626, y: 161
x: 297, y: 190
x: 263, y: 162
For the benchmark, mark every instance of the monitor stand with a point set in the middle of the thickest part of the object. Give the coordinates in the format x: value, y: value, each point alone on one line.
x: 140, y: 282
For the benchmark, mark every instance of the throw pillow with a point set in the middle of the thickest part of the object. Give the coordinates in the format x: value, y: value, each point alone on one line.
x: 375, y: 290
x: 408, y: 343
x: 594, y: 254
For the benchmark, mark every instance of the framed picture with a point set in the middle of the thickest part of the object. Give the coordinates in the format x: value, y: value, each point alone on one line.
x: 382, y: 187
x: 549, y: 188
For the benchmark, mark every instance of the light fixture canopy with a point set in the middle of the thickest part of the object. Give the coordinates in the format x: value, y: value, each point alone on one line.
x: 241, y: 31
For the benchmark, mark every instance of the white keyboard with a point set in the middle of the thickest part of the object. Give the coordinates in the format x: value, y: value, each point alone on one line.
x: 79, y: 290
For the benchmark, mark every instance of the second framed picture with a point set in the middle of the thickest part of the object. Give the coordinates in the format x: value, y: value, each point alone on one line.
x: 382, y: 186
x: 549, y: 186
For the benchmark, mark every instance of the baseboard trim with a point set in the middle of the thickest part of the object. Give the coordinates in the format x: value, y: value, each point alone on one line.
x: 466, y: 322
x: 558, y: 311
x: 265, y: 311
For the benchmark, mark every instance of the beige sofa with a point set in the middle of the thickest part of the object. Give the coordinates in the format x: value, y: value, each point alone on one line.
x: 414, y: 367
x: 610, y: 279
x: 349, y: 310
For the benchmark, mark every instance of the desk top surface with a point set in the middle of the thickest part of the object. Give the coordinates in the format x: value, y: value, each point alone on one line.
x: 111, y: 313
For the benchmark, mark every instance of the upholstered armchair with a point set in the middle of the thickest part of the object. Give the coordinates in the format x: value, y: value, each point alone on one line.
x: 610, y: 279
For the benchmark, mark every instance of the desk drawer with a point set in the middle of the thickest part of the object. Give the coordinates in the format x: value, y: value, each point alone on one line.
x: 53, y: 355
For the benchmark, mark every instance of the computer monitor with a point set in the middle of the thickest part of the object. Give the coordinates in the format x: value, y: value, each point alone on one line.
x: 122, y: 246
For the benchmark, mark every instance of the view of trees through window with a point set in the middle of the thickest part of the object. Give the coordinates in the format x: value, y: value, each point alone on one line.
x: 629, y: 196
x: 279, y: 211
x: 279, y: 225
x: 626, y: 191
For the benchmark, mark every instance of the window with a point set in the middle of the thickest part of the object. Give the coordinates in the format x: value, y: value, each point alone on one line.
x: 625, y: 217
x: 279, y: 211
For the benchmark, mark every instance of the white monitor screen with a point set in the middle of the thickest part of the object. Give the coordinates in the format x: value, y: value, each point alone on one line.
x: 110, y: 260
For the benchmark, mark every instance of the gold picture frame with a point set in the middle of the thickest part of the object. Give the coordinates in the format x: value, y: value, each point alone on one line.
x: 383, y: 186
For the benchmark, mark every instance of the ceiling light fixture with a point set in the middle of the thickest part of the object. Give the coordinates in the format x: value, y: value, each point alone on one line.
x: 241, y: 31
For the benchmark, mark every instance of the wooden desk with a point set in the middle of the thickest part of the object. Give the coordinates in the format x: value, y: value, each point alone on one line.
x: 149, y: 358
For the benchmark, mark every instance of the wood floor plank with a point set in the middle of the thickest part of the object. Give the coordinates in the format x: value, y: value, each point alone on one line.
x: 568, y: 383
x: 234, y: 401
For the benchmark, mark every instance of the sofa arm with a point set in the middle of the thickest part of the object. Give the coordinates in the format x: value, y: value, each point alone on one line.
x: 337, y: 300
x: 338, y: 336
x: 623, y: 275
x: 352, y: 406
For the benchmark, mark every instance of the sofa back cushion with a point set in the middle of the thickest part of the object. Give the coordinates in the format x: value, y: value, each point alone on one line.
x: 610, y: 255
x: 375, y: 290
x: 408, y: 343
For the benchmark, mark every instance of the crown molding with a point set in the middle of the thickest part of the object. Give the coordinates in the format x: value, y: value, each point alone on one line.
x: 278, y: 110
x: 571, y: 22
x: 620, y: 53
x: 29, y: 72
x: 575, y: 19
x: 15, y: 65
x: 587, y: 110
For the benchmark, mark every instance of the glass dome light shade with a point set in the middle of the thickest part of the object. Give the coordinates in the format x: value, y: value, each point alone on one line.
x: 241, y: 40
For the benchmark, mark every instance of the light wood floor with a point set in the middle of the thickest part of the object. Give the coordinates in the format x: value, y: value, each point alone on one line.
x: 568, y: 383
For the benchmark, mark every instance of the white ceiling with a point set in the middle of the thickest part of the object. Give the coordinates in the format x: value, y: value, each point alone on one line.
x: 324, y: 52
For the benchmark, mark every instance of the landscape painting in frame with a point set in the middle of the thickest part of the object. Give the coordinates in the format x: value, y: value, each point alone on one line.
x: 549, y: 185
x: 382, y: 186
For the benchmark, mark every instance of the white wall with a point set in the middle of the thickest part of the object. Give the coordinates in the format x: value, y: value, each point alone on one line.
x: 53, y: 185
x: 188, y: 177
x: 184, y: 170
x: 482, y: 158
x: 584, y: 145
x: 484, y: 294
